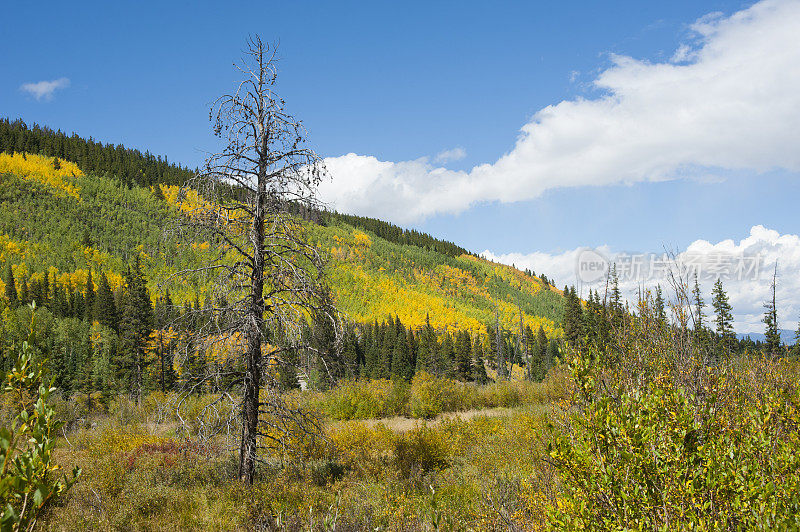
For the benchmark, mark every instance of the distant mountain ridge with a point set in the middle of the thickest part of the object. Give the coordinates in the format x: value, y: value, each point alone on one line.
x: 787, y: 336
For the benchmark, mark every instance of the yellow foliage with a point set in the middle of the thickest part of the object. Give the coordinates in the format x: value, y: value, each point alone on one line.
x: 37, y: 168
x: 189, y: 202
x: 13, y: 249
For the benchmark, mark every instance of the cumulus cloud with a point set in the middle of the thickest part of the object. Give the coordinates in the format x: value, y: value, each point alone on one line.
x: 745, y: 268
x: 456, y: 154
x: 44, y: 90
x: 728, y: 99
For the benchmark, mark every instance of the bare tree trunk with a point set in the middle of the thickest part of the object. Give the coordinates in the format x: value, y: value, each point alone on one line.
x: 255, y: 315
x: 250, y: 408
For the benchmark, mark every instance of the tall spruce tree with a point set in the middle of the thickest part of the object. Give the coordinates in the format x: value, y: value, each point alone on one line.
x: 89, y: 298
x: 11, y: 287
x: 24, y: 292
x: 552, y: 355
x: 427, y: 347
x: 402, y: 366
x: 699, y: 304
x: 724, y: 318
x: 478, y: 365
x: 105, y: 307
x: 573, y: 316
x: 660, y: 308
x: 371, y: 350
x: 445, y: 363
x: 772, y: 334
x: 135, y: 326
x: 464, y: 356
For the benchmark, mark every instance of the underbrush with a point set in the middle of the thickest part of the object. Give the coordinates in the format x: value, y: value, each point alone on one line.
x: 142, y: 472
x: 649, y: 435
x: 428, y: 396
x: 361, y: 476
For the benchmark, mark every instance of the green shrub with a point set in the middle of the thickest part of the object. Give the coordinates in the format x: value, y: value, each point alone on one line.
x: 325, y: 471
x: 421, y: 450
x: 430, y: 396
x: 366, y: 450
x: 364, y: 399
x: 28, y: 478
x: 504, y: 394
x: 655, y: 457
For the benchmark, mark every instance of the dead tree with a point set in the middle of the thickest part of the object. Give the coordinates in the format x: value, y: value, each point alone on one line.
x: 267, y: 278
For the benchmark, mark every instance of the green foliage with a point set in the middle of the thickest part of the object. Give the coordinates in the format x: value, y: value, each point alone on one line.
x: 421, y: 450
x: 366, y: 399
x: 29, y: 477
x: 430, y: 396
x: 724, y: 318
x: 656, y: 457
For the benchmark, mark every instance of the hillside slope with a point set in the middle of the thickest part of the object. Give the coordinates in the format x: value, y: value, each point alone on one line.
x: 66, y: 223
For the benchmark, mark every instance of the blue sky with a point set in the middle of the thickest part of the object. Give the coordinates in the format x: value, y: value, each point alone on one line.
x: 393, y: 83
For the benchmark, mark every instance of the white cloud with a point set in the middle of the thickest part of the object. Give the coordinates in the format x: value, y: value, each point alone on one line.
x: 456, y: 154
x: 43, y: 90
x: 747, y: 294
x: 732, y: 101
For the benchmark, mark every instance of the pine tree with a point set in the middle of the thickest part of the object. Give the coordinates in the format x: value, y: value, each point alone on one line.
x: 388, y: 337
x: 552, y: 355
x: 724, y: 317
x: 89, y: 298
x: 401, y: 354
x: 773, y: 336
x: 136, y: 324
x: 158, y: 193
x: 445, y: 366
x: 413, y: 353
x: 573, y: 316
x: 698, y: 304
x: 427, y: 347
x: 24, y: 293
x: 661, y: 312
x: 59, y: 304
x: 499, y: 351
x: 351, y: 355
x: 529, y: 349
x: 11, y: 287
x: 478, y: 366
x: 616, y: 298
x: 105, y: 308
x: 463, y: 356
x: 327, y: 361
x: 167, y: 376
x: 371, y: 353
x: 539, y: 363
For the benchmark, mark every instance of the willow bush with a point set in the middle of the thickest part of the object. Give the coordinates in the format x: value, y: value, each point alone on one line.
x: 660, y: 437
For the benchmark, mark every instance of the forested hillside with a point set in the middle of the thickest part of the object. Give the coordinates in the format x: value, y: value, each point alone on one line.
x: 81, y: 241
x: 129, y: 166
